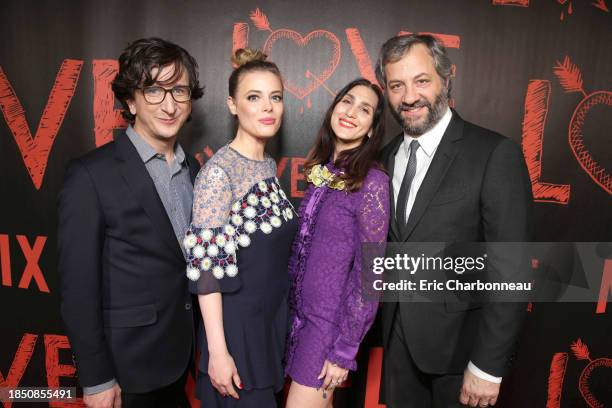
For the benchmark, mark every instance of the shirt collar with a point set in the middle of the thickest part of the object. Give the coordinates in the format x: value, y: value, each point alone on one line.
x: 430, y: 140
x: 147, y: 152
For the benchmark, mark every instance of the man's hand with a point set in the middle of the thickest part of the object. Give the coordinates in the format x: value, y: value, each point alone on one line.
x: 110, y: 398
x: 477, y: 392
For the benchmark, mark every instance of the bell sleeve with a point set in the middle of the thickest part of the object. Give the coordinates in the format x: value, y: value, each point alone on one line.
x: 210, y: 242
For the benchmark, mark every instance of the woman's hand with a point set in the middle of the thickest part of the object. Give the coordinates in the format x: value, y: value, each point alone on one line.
x: 333, y: 375
x: 222, y: 371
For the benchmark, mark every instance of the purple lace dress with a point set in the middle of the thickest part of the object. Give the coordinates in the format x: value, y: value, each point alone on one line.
x: 330, y: 317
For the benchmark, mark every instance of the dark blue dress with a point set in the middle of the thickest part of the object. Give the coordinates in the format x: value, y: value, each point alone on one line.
x: 239, y: 244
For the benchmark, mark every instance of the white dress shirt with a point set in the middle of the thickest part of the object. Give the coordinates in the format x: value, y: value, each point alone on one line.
x: 428, y: 144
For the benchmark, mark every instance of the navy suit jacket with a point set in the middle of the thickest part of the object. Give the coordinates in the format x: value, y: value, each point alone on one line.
x: 125, y: 302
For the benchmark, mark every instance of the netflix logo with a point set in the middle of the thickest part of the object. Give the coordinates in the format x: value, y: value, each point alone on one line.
x: 31, y: 277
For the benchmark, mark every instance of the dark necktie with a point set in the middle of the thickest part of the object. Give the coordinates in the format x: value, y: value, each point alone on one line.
x: 402, y: 197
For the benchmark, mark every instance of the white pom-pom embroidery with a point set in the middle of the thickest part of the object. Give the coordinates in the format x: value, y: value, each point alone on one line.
x: 220, y: 240
x: 250, y: 226
x: 190, y: 241
x: 289, y: 213
x: 198, y: 251
x: 252, y: 199
x: 206, y: 235
x: 212, y: 250
x: 230, y: 248
x: 206, y: 264
x: 231, y: 270
x: 244, y: 240
x: 218, y: 272
x: 236, y: 220
x: 229, y: 230
x: 247, y: 215
x: 266, y: 228
x: 275, y: 221
x: 250, y: 212
x: 193, y: 273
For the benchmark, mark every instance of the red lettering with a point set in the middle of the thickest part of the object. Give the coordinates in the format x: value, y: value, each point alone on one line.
x: 19, y: 363
x: 606, y: 287
x: 364, y: 63
x: 5, y: 258
x: 600, y: 4
x: 200, y: 158
x: 240, y: 36
x: 32, y: 269
x: 55, y: 370
x: 520, y: 3
x: 282, y: 165
x: 106, y: 117
x: 448, y: 40
x: 556, y: 376
x: 372, y: 392
x: 536, y: 109
x: 296, y: 176
x: 35, y: 151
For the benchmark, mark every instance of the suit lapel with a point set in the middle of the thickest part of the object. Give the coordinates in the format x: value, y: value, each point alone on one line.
x: 138, y: 179
x: 390, y: 163
x: 194, y: 168
x: 445, y: 153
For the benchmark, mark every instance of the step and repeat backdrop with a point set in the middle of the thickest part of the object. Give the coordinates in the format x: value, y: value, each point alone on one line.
x: 537, y: 71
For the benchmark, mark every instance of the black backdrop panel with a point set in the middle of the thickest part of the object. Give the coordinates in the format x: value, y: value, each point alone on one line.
x: 535, y: 71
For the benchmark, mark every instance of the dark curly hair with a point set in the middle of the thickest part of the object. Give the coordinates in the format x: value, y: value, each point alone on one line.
x: 357, y: 161
x: 140, y: 58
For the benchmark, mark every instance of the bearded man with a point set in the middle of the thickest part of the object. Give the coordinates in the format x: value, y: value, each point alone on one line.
x: 452, y: 181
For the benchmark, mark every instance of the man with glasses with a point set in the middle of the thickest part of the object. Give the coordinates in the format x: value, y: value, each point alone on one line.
x: 123, y: 212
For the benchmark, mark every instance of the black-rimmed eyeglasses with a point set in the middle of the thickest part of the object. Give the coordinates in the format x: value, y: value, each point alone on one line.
x: 155, y: 95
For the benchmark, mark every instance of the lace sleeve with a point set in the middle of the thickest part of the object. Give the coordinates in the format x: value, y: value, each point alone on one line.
x: 209, y: 241
x: 357, y: 314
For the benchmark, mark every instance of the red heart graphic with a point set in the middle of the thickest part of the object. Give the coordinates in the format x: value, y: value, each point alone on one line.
x: 584, y: 381
x: 319, y: 77
x: 597, y: 172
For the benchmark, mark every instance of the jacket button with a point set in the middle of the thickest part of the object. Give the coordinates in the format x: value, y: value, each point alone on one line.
x: 187, y: 306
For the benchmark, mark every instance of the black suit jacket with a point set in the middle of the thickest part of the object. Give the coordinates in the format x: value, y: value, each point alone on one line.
x: 125, y: 302
x: 476, y: 189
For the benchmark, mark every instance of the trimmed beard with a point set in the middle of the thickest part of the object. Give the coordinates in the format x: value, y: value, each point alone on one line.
x: 434, y: 114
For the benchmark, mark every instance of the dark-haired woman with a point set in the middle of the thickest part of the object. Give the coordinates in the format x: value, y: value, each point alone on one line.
x: 346, y: 204
x: 238, y: 247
